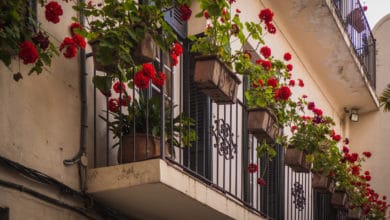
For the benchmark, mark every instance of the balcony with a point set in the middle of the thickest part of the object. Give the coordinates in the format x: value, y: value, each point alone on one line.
x: 335, y: 40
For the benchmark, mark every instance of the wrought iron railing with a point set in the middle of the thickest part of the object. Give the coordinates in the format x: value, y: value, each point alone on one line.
x: 355, y: 23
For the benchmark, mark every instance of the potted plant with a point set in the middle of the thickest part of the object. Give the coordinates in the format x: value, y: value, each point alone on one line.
x: 213, y: 66
x: 309, y: 135
x: 22, y: 35
x: 136, y: 124
x: 124, y: 34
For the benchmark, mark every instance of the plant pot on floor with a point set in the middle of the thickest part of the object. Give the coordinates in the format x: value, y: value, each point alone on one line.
x: 355, y: 214
x: 146, y: 147
x: 262, y: 124
x: 216, y: 80
x: 322, y: 183
x: 339, y: 199
x: 296, y: 159
x: 144, y: 52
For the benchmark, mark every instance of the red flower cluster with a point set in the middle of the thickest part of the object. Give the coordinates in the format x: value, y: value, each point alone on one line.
x: 266, y: 15
x: 114, y: 104
x: 300, y: 83
x: 261, y: 182
x: 28, y: 52
x: 75, y: 26
x: 367, y: 154
x: 272, y: 82
x: 287, y: 56
x: 252, y: 168
x: 266, y: 64
x: 72, y: 44
x: 176, y: 51
x: 147, y: 73
x: 283, y: 93
x: 119, y: 87
x: 265, y: 51
x: 53, y: 12
x: 289, y: 67
x: 185, y: 12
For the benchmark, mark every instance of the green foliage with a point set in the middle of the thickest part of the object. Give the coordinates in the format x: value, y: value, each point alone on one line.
x: 142, y: 112
x: 384, y: 99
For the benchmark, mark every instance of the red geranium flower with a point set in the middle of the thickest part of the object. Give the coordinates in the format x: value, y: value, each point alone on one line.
x: 271, y: 28
x: 368, y: 178
x: 300, y: 83
x: 177, y: 49
x: 160, y: 78
x: 71, y: 47
x: 266, y: 15
x: 311, y: 106
x: 284, y: 93
x: 289, y: 67
x: 141, y: 81
x: 148, y: 70
x: 336, y: 137
x: 345, y: 149
x: 287, y: 56
x: 53, y: 12
x: 75, y: 26
x: 266, y: 64
x: 293, y: 128
x: 318, y: 112
x: 28, y: 52
x: 291, y: 83
x: 79, y: 40
x: 252, y: 168
x: 265, y: 51
x: 346, y: 141
x: 355, y: 170
x: 367, y: 154
x: 231, y: 1
x: 185, y: 12
x: 261, y: 181
x: 353, y: 158
x: 238, y: 10
x: 272, y: 82
x: 174, y: 59
x: 206, y: 14
x: 113, y: 105
x: 119, y: 87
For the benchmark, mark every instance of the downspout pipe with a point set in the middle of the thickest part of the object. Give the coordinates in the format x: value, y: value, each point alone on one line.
x: 81, y: 157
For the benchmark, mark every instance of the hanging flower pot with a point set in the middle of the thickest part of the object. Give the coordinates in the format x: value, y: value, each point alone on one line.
x: 339, y: 199
x: 322, y: 183
x: 216, y: 80
x: 356, y: 19
x: 262, y: 124
x: 355, y: 214
x: 144, y: 52
x: 296, y: 159
x: 146, y: 147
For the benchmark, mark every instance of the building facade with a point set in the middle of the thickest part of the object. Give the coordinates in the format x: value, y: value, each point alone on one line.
x: 57, y: 159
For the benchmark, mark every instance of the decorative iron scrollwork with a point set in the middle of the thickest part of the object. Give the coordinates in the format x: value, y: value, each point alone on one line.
x: 298, y: 194
x: 224, y: 139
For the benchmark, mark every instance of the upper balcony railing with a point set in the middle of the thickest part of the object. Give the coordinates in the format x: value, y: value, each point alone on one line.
x: 356, y: 25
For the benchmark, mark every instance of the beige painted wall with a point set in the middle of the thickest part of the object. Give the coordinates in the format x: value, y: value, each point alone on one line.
x: 40, y: 125
x: 371, y: 133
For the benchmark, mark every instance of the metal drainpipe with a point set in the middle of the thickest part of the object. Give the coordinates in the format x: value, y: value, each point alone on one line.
x: 81, y: 157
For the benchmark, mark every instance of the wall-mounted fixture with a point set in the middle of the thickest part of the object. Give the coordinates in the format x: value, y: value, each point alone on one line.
x: 354, y: 116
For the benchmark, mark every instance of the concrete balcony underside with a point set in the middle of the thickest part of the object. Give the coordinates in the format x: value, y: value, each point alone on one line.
x: 320, y: 38
x: 156, y: 189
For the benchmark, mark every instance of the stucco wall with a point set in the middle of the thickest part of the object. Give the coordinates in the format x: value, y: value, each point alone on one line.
x: 39, y: 123
x: 371, y: 133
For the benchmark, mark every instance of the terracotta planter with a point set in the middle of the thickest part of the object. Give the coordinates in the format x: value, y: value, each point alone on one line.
x: 339, y: 199
x: 145, y: 52
x: 322, y: 183
x: 146, y: 147
x: 262, y: 124
x: 296, y: 159
x: 356, y: 19
x: 355, y: 214
x: 216, y: 80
